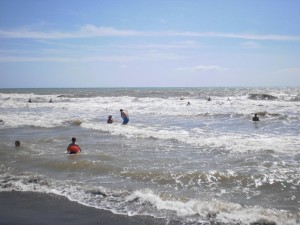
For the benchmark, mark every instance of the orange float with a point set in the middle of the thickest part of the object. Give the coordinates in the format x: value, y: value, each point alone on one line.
x: 73, y: 149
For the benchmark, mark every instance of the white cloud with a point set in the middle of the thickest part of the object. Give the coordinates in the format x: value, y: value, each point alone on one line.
x: 201, y: 68
x: 85, y: 31
x: 89, y: 31
x: 262, y: 37
x: 151, y: 56
x: 70, y: 59
x: 172, y: 45
x: 250, y: 45
x: 34, y: 59
x: 93, y: 31
x: 25, y: 33
x: 290, y: 70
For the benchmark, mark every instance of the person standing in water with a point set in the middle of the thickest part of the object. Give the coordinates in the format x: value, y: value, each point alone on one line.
x: 255, y: 118
x: 124, y: 117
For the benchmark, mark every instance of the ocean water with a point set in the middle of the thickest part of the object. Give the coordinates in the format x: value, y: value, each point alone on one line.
x: 203, y: 163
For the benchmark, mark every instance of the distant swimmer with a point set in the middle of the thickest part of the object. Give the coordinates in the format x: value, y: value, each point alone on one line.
x: 110, y: 119
x: 17, y: 143
x: 255, y: 118
x: 73, y: 148
x: 50, y: 101
x: 124, y: 116
x: 209, y: 99
x: 188, y: 104
x: 29, y: 100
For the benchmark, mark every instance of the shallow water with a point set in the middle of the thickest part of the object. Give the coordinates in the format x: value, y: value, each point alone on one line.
x: 172, y: 160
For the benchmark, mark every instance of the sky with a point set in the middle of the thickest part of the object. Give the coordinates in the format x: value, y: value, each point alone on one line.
x: 153, y: 43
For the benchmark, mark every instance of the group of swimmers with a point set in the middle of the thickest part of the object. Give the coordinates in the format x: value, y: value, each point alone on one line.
x: 74, y: 148
x: 124, y: 116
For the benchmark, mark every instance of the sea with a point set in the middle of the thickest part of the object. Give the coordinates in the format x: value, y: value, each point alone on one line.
x: 180, y: 157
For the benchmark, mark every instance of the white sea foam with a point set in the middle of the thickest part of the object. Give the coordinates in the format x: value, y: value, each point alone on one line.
x: 120, y: 201
x: 166, y: 115
x: 184, y: 155
x: 95, y: 107
x: 202, y: 137
x: 224, y: 211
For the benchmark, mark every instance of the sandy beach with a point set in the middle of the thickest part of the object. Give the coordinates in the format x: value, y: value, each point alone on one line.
x: 36, y: 208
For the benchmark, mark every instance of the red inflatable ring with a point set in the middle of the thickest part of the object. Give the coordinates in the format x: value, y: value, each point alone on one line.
x: 73, y: 149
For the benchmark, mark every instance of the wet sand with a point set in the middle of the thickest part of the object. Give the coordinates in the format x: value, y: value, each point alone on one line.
x: 37, y: 208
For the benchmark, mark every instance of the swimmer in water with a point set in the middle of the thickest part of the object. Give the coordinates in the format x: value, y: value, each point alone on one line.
x: 73, y: 144
x: 110, y: 119
x: 255, y: 118
x: 124, y: 117
x: 17, y: 143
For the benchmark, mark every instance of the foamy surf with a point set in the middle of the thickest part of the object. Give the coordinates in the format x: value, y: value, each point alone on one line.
x: 145, y: 201
x: 206, y: 162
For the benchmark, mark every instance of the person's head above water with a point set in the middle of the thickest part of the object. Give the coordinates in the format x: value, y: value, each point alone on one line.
x: 121, y: 110
x: 17, y: 143
x: 73, y: 139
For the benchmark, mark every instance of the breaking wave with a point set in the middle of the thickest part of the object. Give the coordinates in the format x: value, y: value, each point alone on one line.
x: 144, y: 201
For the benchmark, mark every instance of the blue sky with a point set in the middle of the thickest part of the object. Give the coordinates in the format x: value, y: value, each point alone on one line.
x: 138, y: 43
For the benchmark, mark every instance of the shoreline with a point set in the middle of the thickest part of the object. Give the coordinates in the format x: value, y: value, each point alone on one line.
x: 39, y: 208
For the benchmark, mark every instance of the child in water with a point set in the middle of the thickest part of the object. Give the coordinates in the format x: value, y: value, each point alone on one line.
x: 110, y: 119
x: 73, y: 147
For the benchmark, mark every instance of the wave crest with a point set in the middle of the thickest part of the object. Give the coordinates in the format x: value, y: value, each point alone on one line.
x: 262, y: 97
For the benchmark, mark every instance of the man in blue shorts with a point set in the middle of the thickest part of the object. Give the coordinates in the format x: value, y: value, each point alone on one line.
x: 124, y: 116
